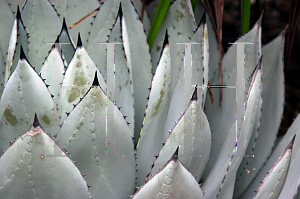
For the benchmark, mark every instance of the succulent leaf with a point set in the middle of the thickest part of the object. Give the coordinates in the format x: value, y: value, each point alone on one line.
x: 136, y: 47
x: 272, y: 185
x: 273, y: 102
x: 43, y: 25
x: 78, y: 78
x: 73, y: 11
x: 20, y: 100
x: 193, y: 136
x: 172, y: 181
x: 18, y: 38
x: 52, y: 71
x: 219, y: 180
x: 146, y: 21
x: 100, y: 32
x: 180, y: 24
x: 222, y: 118
x: 155, y: 116
x: 13, y: 4
x: 30, y: 170
x: 123, y: 95
x: 99, y: 140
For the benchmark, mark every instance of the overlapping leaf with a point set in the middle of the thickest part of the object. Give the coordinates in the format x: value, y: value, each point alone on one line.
x: 99, y: 140
x: 29, y: 169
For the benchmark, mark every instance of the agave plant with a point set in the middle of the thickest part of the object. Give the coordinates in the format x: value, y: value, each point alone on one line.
x: 99, y: 117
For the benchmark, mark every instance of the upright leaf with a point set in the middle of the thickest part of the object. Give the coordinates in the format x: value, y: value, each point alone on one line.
x: 152, y: 134
x: 21, y: 99
x: 136, y: 47
x: 29, y: 169
x: 99, y: 140
x: 43, y: 25
x: 172, y: 181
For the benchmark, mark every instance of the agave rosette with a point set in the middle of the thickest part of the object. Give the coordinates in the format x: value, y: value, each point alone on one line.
x: 109, y: 104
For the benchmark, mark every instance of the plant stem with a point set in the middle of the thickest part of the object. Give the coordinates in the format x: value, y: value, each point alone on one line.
x: 245, y: 15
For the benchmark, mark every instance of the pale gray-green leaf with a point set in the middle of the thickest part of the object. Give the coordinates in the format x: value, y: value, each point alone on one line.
x: 272, y: 185
x: 152, y: 134
x: 77, y: 80
x: 221, y: 118
x: 43, y: 25
x: 24, y: 95
x: 180, y: 24
x: 273, y: 102
x: 146, y: 21
x: 107, y: 160
x: 228, y: 159
x: 29, y: 170
x: 73, y: 11
x: 100, y: 32
x: 123, y: 84
x: 136, y: 47
x: 52, y: 71
x: 13, y: 4
x: 172, y: 181
x: 193, y: 136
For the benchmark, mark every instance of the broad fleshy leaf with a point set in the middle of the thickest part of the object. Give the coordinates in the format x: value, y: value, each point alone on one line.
x: 139, y: 61
x: 73, y: 11
x: 222, y: 118
x: 99, y: 140
x: 13, y: 4
x: 78, y: 78
x: 272, y: 185
x: 219, y: 182
x: 24, y: 95
x: 172, y: 181
x: 273, y: 102
x: 100, y: 32
x: 30, y: 170
x: 180, y: 24
x: 18, y: 38
x: 52, y: 71
x: 123, y: 95
x: 152, y: 134
x: 193, y: 136
x: 146, y: 21
x: 43, y: 25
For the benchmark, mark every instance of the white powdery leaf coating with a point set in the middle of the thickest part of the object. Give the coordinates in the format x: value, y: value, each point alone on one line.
x: 180, y: 24
x: 139, y: 60
x: 272, y: 185
x: 221, y: 118
x: 78, y: 78
x: 172, y: 181
x: 52, y: 71
x: 146, y: 21
x: 73, y: 11
x: 43, y: 25
x: 152, y: 132
x: 219, y: 181
x: 29, y: 170
x: 100, y: 31
x: 18, y: 38
x: 273, y: 103
x: 193, y: 136
x: 6, y: 24
x: 292, y: 181
x: 181, y: 96
x: 123, y: 85
x: 21, y: 99
x: 105, y: 157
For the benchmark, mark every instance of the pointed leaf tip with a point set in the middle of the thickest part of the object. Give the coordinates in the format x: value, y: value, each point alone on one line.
x: 79, y: 42
x: 120, y: 12
x: 64, y: 26
x: 290, y: 145
x: 36, y: 122
x: 175, y: 155
x: 22, y: 54
x: 166, y: 40
x: 195, y: 97
x: 18, y: 16
x: 95, y: 82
